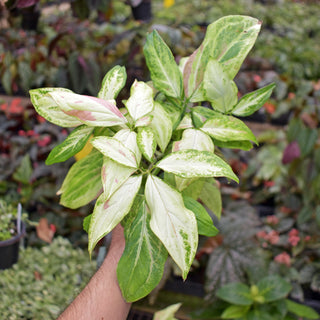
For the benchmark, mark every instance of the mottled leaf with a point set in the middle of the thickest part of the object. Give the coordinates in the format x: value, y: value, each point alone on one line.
x: 112, y: 83
x: 72, y: 145
x: 109, y: 212
x: 147, y: 142
x: 48, y: 108
x: 165, y: 73
x: 173, y: 224
x: 83, y: 181
x: 141, y: 266
x: 194, y: 163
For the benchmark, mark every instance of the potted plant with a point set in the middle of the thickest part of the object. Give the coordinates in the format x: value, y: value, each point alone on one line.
x: 12, y: 229
x: 155, y: 157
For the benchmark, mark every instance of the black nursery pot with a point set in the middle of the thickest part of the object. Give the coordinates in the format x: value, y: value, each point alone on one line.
x: 9, y: 250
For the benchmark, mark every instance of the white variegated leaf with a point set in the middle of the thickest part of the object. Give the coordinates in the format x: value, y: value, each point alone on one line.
x: 147, y: 142
x: 172, y: 222
x: 47, y: 107
x: 115, y: 150
x: 129, y: 139
x: 144, y: 121
x: 161, y: 125
x: 109, y: 212
x: 194, y: 139
x: 167, y: 313
x: 141, y: 101
x: 89, y: 110
x: 113, y: 175
x: 194, y: 163
x: 112, y: 83
x: 186, y: 122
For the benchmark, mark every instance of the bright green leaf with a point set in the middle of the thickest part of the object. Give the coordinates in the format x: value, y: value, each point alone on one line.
x: 234, y: 311
x: 48, y: 108
x: 112, y: 83
x: 72, y: 145
x: 83, y: 181
x: 204, y: 221
x: 273, y: 288
x: 235, y: 293
x: 165, y: 73
x: 210, y: 196
x: 172, y: 222
x: 86, y: 223
x: 194, y: 163
x: 141, y: 266
x: 253, y: 101
x: 301, y: 310
x: 109, y: 212
x: 243, y: 145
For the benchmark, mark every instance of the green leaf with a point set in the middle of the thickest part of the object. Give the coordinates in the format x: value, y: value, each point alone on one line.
x: 201, y: 114
x: 48, y: 108
x: 109, y: 212
x: 89, y: 110
x: 210, y: 196
x: 194, y: 189
x: 142, y: 263
x: 221, y: 91
x: 83, y: 181
x: 233, y: 312
x: 194, y: 163
x: 72, y: 145
x: 24, y: 171
x: 86, y: 223
x: 172, y: 222
x: 161, y: 125
x: 235, y: 293
x: 167, y: 313
x: 273, y: 288
x: 230, y: 39
x: 204, y: 221
x: 113, y: 175
x: 253, y: 101
x: 141, y: 101
x: 227, y: 128
x: 115, y: 150
x: 112, y: 83
x: 147, y: 142
x: 243, y: 145
x: 165, y: 73
x: 301, y: 310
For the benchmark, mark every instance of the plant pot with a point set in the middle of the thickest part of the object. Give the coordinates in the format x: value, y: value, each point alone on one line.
x: 9, y: 249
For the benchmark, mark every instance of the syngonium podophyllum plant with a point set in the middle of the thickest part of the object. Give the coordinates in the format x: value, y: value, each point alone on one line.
x: 154, y: 158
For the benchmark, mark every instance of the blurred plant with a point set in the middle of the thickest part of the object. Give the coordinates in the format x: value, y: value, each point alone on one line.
x: 44, y: 281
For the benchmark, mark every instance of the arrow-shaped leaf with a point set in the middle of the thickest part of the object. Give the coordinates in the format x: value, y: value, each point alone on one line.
x: 112, y: 83
x: 194, y: 163
x: 172, y: 222
x: 109, y: 212
x: 141, y: 266
x: 72, y: 145
x: 164, y: 71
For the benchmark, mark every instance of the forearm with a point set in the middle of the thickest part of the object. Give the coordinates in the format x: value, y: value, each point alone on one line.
x: 101, y: 299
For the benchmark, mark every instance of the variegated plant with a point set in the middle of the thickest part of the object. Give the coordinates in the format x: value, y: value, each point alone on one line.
x: 154, y: 159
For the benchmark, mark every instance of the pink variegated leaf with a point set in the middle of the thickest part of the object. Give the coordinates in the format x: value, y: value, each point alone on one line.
x: 89, y: 110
